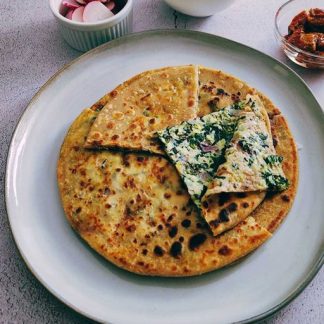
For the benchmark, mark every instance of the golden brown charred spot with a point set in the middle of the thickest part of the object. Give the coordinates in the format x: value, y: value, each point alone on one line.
x: 196, y: 240
x: 140, y: 159
x: 160, y: 227
x: 107, y: 206
x: 131, y: 228
x: 223, y: 198
x: 152, y: 223
x: 114, y: 137
x: 235, y: 97
x: 76, y: 148
x: 173, y: 231
x: 92, y: 224
x: 144, y: 252
x: 214, y: 223
x: 114, y: 93
x: 110, y: 124
x: 128, y: 212
x: 146, y: 96
x: 78, y: 210
x: 186, y: 223
x: 152, y: 121
x: 232, y: 207
x: 130, y: 183
x: 106, y: 191
x: 159, y: 174
x: 167, y: 195
x: 181, y: 239
x: 96, y: 142
x: 256, y: 238
x: 122, y: 261
x: 224, y: 250
x: 245, y: 205
x: 141, y: 263
x: 125, y: 160
x: 213, y: 103
x: 223, y: 215
x: 170, y: 218
x: 285, y: 198
x: 221, y: 92
x: 205, y: 204
x: 191, y: 102
x: 176, y: 249
x: 97, y: 107
x: 158, y: 251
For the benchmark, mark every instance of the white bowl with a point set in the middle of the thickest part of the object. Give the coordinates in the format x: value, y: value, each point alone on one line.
x: 199, y: 8
x: 85, y: 36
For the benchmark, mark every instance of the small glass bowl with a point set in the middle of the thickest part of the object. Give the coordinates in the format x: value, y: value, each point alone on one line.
x: 283, y: 17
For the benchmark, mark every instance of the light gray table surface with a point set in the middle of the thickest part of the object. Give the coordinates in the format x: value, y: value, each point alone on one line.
x: 31, y: 51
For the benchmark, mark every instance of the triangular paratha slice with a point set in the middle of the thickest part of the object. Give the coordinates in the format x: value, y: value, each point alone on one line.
x: 218, y: 90
x: 196, y: 147
x: 143, y: 105
x: 235, y: 193
x: 251, y: 161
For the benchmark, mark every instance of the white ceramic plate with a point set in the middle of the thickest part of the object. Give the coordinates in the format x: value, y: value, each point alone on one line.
x: 251, y: 289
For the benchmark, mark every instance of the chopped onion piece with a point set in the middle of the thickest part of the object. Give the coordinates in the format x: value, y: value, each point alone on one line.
x: 69, y: 14
x: 72, y: 4
x: 111, y: 5
x: 95, y: 11
x: 78, y: 14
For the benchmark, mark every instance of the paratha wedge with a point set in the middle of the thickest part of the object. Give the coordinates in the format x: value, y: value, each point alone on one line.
x: 225, y: 151
x: 251, y: 162
x: 218, y: 90
x: 207, y: 154
x: 139, y: 107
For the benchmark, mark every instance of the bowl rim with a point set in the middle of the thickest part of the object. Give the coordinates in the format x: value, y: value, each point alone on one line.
x: 283, y: 40
x: 100, y: 23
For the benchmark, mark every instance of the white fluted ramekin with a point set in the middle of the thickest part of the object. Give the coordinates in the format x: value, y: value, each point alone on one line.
x: 85, y: 36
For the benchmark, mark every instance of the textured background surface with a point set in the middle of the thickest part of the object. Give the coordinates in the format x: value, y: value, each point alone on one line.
x: 31, y: 50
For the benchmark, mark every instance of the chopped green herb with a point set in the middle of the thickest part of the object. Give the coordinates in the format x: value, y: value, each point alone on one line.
x: 235, y: 166
x: 273, y: 159
x: 275, y: 182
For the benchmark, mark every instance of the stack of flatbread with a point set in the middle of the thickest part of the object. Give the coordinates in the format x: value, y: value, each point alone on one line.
x: 178, y: 171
